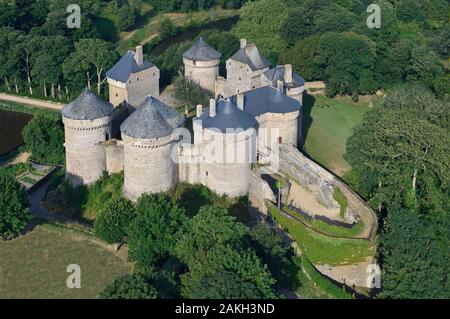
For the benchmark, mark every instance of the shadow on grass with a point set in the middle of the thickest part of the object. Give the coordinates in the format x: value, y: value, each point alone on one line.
x: 308, y: 103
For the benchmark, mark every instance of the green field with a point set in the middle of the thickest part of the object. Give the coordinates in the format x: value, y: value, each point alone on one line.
x: 327, y: 124
x: 34, y: 265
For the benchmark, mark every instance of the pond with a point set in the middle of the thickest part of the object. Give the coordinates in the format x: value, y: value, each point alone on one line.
x: 11, y: 124
x: 221, y: 25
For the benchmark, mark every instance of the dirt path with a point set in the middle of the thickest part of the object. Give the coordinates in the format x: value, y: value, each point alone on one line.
x: 20, y: 158
x: 305, y: 199
x: 30, y: 101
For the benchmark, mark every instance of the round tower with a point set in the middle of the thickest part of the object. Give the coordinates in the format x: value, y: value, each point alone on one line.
x: 201, y: 65
x: 229, y: 149
x: 86, y: 126
x: 148, y: 142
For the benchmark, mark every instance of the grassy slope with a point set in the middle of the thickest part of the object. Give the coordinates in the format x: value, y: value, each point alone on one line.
x: 321, y: 249
x: 34, y: 265
x: 128, y: 40
x: 329, y: 123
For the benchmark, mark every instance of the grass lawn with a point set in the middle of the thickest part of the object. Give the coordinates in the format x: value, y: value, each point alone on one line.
x: 331, y: 230
x: 327, y: 124
x: 315, y: 285
x: 34, y: 265
x: 321, y: 249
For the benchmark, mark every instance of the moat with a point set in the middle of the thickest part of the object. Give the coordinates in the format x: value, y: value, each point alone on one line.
x: 11, y: 125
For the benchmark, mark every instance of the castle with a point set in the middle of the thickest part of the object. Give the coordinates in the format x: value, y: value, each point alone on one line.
x: 254, y: 108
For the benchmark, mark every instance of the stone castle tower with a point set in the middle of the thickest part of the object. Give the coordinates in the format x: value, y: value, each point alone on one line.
x: 225, y: 142
x: 132, y: 79
x: 201, y: 64
x: 86, y: 125
x: 148, y: 143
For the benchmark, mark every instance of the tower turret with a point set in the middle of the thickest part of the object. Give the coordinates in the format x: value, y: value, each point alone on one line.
x: 86, y: 125
x: 201, y: 64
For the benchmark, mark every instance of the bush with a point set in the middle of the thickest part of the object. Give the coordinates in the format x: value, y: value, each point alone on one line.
x: 189, y: 93
x: 44, y: 139
x: 129, y: 286
x: 155, y: 230
x: 112, y: 220
x: 14, y: 214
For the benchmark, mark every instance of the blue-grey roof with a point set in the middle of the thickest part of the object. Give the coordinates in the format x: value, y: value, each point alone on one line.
x: 171, y: 115
x: 277, y: 74
x: 87, y: 106
x: 268, y: 99
x: 201, y: 51
x: 250, y: 55
x: 147, y: 123
x: 125, y: 66
x: 229, y: 116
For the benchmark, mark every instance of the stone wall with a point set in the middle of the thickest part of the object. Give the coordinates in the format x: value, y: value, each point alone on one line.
x: 306, y: 172
x: 85, y: 154
x: 274, y: 125
x: 117, y: 92
x: 114, y: 156
x: 226, y: 161
x: 259, y: 192
x: 189, y: 166
x: 202, y: 72
x: 148, y: 166
x: 240, y: 78
x: 142, y: 84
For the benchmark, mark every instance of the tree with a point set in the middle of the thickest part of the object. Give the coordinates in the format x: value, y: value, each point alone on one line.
x: 226, y: 273
x: 424, y: 66
x: 113, y: 219
x: 93, y: 57
x: 127, y: 15
x: 9, y: 56
x: 44, y: 138
x: 209, y: 228
x: 303, y: 58
x: 346, y: 72
x: 171, y: 62
x: 415, y: 260
x: 155, y: 229
x: 14, y: 214
x: 189, y: 93
x: 129, y: 286
x: 261, y: 22
x: 276, y: 254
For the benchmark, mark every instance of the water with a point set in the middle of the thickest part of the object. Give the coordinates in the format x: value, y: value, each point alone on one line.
x: 221, y: 25
x: 11, y: 125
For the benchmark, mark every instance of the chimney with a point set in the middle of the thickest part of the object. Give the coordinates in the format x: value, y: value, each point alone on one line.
x: 240, y: 101
x: 288, y: 73
x: 212, y: 107
x: 139, y: 55
x: 243, y: 43
x: 280, y: 85
x: 199, y: 110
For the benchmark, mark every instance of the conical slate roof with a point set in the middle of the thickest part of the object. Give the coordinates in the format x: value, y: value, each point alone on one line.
x: 171, y: 115
x: 201, y: 51
x: 87, y: 106
x: 146, y: 122
x: 229, y: 116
